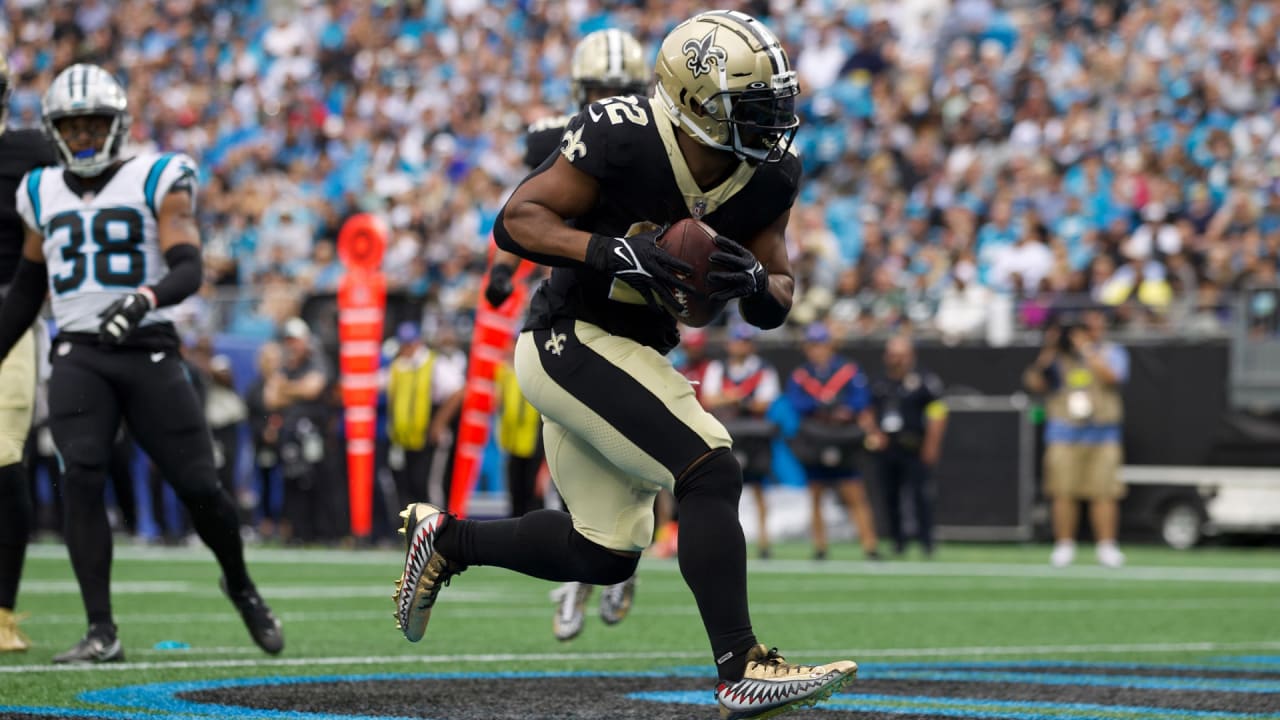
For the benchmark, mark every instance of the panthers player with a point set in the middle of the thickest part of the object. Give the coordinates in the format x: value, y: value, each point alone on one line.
x: 20, y: 151
x: 605, y: 63
x: 100, y: 231
x: 621, y: 423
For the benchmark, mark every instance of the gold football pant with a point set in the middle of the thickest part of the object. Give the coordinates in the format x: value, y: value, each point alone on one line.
x: 620, y: 424
x: 17, y: 398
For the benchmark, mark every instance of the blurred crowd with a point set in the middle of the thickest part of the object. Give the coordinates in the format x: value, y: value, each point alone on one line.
x: 964, y: 157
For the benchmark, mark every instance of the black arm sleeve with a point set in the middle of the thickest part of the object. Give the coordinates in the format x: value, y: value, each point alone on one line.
x: 763, y: 310
x: 21, y: 305
x: 186, y: 271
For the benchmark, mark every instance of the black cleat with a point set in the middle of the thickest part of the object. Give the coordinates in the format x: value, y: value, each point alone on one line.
x: 99, y: 645
x: 263, y: 626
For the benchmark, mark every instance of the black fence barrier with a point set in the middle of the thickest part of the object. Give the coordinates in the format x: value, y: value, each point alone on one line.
x: 1176, y: 400
x: 1176, y: 409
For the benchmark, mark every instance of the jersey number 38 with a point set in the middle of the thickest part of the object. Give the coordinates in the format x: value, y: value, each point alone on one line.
x: 115, y: 235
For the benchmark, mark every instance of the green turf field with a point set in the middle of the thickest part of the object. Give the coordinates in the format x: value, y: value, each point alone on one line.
x: 972, y: 603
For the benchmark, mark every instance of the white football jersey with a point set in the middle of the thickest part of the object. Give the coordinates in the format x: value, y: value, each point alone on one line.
x: 105, y: 244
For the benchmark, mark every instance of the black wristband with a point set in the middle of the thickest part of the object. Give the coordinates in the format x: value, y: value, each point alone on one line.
x: 186, y: 272
x: 763, y: 310
x: 22, y: 303
x: 597, y: 256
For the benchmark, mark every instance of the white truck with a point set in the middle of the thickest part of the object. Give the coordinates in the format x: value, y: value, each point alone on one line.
x: 1184, y: 505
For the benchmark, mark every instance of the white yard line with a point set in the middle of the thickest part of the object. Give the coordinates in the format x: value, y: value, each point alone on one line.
x: 863, y: 654
x: 886, y: 607
x: 370, y: 558
x: 126, y: 587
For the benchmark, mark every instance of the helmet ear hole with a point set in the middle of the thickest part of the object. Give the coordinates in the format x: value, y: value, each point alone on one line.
x: 696, y: 107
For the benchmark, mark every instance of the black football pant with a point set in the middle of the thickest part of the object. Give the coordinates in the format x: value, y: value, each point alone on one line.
x: 522, y: 482
x: 91, y: 389
x: 900, y: 473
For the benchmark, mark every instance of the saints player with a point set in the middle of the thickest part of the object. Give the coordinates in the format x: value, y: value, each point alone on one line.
x: 606, y: 63
x: 101, y: 230
x: 20, y: 151
x: 621, y: 423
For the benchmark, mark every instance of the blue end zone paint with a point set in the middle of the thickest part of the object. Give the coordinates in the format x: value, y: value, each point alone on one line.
x: 1137, y: 682
x: 162, y: 697
x: 61, y: 712
x: 1267, y: 660
x: 962, y: 707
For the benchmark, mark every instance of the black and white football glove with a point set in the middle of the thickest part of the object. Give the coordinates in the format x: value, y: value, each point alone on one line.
x: 640, y: 263
x: 499, y: 287
x: 743, y: 277
x: 122, y: 316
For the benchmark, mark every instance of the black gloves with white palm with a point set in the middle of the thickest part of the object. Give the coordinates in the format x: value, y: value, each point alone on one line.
x: 743, y: 277
x: 639, y: 262
x: 122, y: 316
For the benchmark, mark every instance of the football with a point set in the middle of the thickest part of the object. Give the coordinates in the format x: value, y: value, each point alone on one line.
x: 693, y: 241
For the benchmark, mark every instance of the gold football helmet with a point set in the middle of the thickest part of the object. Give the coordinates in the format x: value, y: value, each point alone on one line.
x: 611, y: 61
x: 724, y: 79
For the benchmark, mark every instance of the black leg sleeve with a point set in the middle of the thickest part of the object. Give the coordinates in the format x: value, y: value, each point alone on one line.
x: 713, y: 557
x: 542, y: 544
x: 15, y: 529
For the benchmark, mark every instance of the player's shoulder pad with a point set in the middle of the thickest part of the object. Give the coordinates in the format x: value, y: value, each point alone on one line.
x: 554, y: 123
x: 167, y: 172
x: 542, y: 139
x: 24, y: 149
x: 606, y: 134
x: 27, y: 197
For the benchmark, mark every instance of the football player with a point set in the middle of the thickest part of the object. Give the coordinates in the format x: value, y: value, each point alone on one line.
x: 100, y: 232
x: 606, y: 63
x: 20, y: 151
x: 714, y: 142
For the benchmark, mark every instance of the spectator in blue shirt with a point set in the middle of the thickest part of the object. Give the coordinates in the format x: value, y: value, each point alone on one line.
x: 831, y: 396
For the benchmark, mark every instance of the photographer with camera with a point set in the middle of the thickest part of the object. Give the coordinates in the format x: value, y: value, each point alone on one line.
x: 1080, y: 375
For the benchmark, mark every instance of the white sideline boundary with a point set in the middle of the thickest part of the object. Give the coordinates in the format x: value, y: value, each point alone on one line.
x: 393, y: 560
x: 863, y: 655
x: 886, y: 607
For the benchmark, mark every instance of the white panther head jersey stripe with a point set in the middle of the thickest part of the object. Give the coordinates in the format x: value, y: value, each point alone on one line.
x: 106, y: 244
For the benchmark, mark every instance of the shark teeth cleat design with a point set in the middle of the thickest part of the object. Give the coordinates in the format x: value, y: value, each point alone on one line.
x: 426, y: 571
x: 772, y: 686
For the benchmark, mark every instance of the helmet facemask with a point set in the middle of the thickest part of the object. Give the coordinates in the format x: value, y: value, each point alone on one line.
x: 95, y: 160
x: 86, y: 91
x: 762, y: 121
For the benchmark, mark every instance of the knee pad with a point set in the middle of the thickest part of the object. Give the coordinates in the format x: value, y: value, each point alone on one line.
x: 599, y: 565
x: 718, y: 475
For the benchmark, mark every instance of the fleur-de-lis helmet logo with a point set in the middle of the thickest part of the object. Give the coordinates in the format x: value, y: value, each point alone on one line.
x: 702, y: 52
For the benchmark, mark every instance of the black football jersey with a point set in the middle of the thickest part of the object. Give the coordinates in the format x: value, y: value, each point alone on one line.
x: 629, y: 146
x: 20, y: 151
x: 543, y: 138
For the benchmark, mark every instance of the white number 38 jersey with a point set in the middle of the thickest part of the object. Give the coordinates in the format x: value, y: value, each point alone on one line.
x: 105, y: 244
